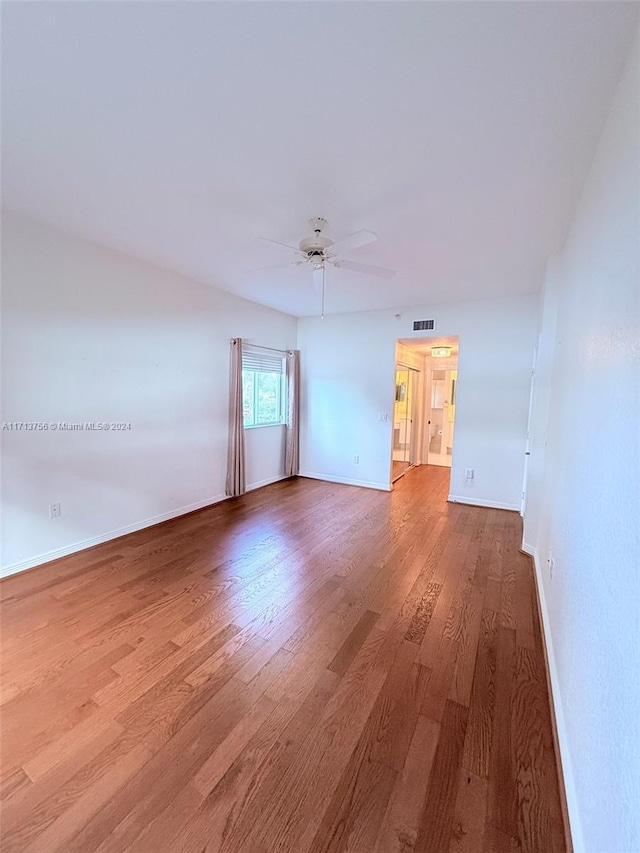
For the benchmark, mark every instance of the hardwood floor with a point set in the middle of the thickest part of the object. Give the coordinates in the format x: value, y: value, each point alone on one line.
x: 312, y: 668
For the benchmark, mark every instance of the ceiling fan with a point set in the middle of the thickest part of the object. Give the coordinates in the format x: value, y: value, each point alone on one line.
x: 318, y: 250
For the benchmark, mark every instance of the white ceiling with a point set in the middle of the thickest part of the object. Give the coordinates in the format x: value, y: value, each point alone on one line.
x: 179, y: 132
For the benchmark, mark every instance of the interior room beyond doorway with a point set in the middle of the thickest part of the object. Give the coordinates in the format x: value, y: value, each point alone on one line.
x: 424, y: 405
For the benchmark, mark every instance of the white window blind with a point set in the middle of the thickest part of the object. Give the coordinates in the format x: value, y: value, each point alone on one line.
x: 263, y: 388
x: 263, y: 362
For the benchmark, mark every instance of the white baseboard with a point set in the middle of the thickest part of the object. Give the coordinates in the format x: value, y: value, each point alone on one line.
x: 260, y: 483
x: 48, y: 556
x: 366, y: 484
x: 558, y: 711
x: 40, y: 559
x: 457, y: 499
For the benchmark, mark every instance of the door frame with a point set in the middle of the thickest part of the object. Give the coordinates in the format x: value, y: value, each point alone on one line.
x: 528, y: 441
x: 416, y: 404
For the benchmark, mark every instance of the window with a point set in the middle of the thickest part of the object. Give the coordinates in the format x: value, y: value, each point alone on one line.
x: 263, y: 389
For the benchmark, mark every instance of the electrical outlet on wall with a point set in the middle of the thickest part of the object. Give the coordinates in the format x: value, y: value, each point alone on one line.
x: 54, y: 510
x: 469, y: 473
x: 552, y: 565
x: 356, y: 460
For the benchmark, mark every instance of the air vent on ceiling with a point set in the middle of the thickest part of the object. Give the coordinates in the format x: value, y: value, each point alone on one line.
x: 424, y: 325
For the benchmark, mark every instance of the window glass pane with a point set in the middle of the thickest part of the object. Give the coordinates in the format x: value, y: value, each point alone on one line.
x: 262, y: 398
x: 248, y: 412
x: 268, y: 398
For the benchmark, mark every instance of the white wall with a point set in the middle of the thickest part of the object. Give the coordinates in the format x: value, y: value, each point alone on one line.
x: 347, y: 364
x: 583, y: 504
x: 92, y: 335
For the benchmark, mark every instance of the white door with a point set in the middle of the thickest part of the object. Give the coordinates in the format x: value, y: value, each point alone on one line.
x: 442, y: 408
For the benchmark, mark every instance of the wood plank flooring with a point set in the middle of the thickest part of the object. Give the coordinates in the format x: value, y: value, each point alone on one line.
x: 312, y: 668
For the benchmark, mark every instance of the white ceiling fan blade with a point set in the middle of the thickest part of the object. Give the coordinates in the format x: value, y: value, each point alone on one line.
x: 353, y: 241
x: 272, y: 268
x: 381, y: 272
x: 282, y: 245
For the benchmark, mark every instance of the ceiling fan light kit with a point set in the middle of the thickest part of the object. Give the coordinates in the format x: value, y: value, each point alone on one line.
x: 318, y: 249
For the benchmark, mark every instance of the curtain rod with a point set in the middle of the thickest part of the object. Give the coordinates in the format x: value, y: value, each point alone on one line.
x: 271, y: 349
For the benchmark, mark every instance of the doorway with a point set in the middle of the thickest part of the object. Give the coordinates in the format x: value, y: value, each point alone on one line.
x: 424, y: 404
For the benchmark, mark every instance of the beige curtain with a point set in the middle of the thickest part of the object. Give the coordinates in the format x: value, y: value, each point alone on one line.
x: 292, y: 451
x: 236, y: 478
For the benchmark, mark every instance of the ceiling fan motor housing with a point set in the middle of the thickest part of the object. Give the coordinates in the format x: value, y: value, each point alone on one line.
x: 317, y: 243
x: 314, y: 247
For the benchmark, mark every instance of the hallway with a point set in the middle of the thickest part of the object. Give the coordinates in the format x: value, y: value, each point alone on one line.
x: 311, y: 667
